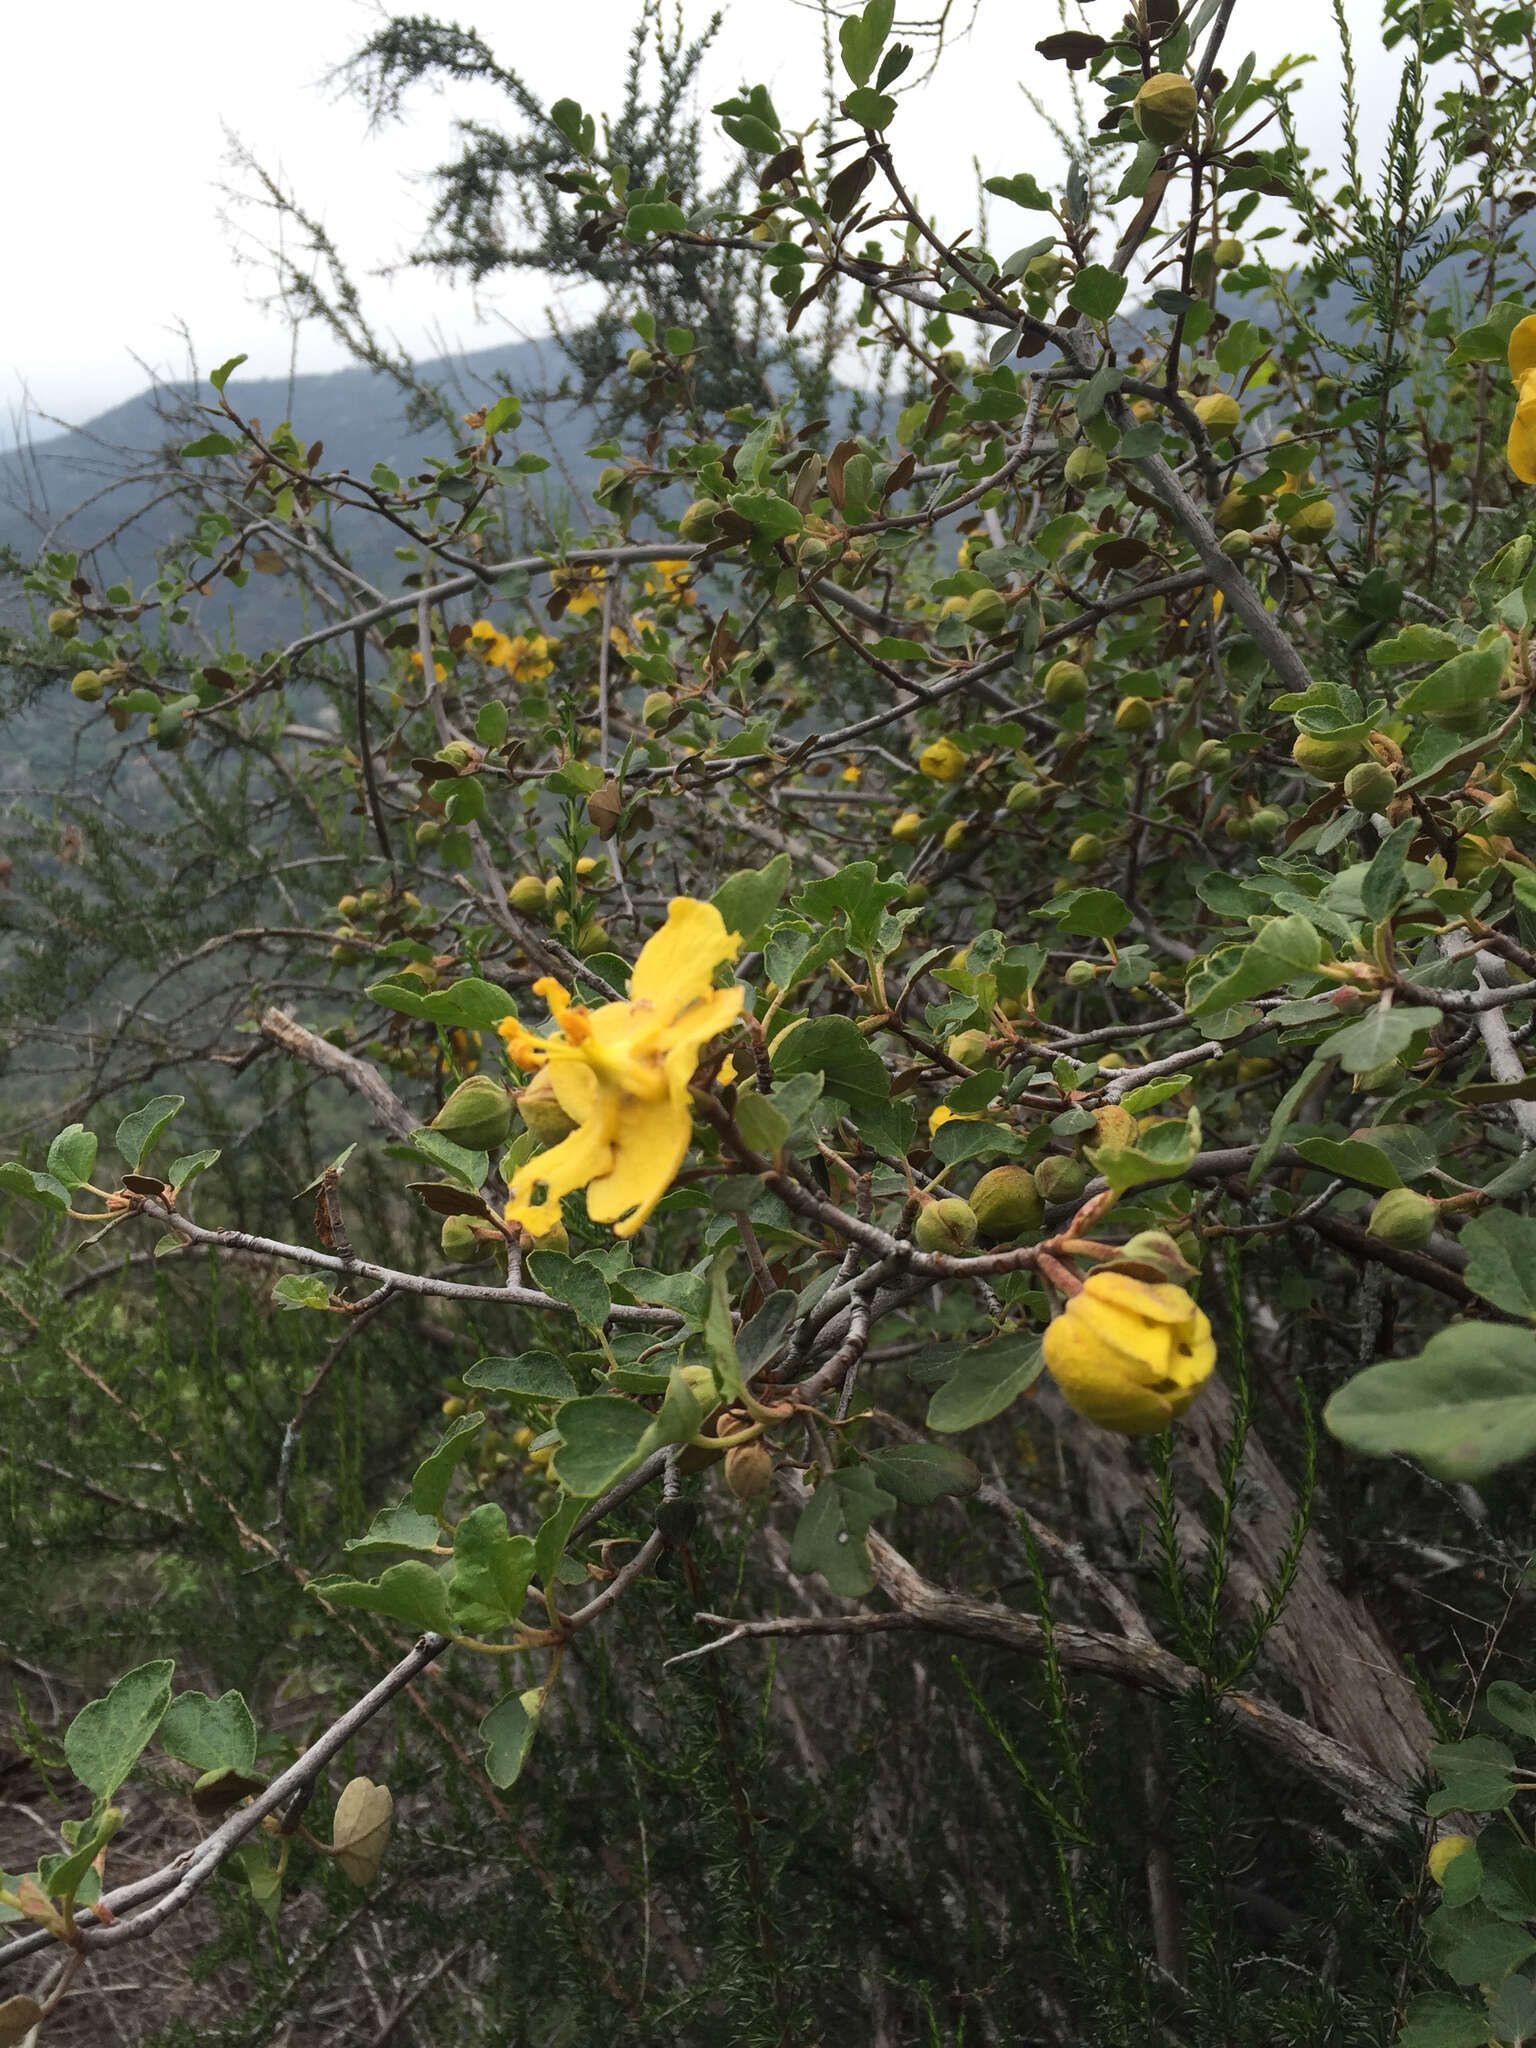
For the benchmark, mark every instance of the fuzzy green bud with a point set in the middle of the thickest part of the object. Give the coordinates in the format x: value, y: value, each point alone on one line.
x: 945, y: 1226
x: 1059, y: 1178
x: 1403, y: 1219
x: 526, y: 894
x: 1134, y: 715
x: 1165, y: 108
x: 1329, y: 760
x: 463, y: 1244
x: 967, y: 1048
x: 1085, y: 467
x: 477, y: 1115
x: 1370, y: 786
x: 1086, y: 850
x: 1006, y: 1202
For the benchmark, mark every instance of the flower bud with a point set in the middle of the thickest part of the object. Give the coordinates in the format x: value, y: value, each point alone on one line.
x: 1329, y: 760
x: 948, y: 1225
x: 1165, y: 108
x: 88, y: 686
x: 1006, y: 1202
x: 1178, y: 775
x: 526, y: 894
x: 477, y: 1115
x: 1369, y: 785
x: 942, y: 761
x: 1065, y: 682
x: 462, y: 1242
x: 1266, y: 824
x: 1025, y: 797
x: 1151, y: 1255
x: 907, y: 827
x: 656, y: 709
x: 1060, y: 1178
x: 63, y: 622
x: 1086, y: 850
x: 640, y: 362
x: 1080, y: 974
x: 698, y: 522
x: 1237, y: 544
x: 749, y: 1470
x: 553, y: 1236
x: 1213, y: 757
x: 1238, y: 509
x: 541, y: 1112
x: 986, y: 610
x: 1228, y: 253
x: 967, y: 1048
x: 1403, y: 1219
x: 1218, y: 412
x: 1135, y: 715
x: 1313, y: 522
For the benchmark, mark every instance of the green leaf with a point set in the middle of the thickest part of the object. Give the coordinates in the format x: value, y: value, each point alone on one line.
x: 492, y: 1570
x: 413, y: 1593
x: 988, y: 1379
x: 747, y: 899
x: 507, y: 1732
x: 1281, y: 951
x: 1161, y: 1151
x: 603, y: 1436
x: 856, y: 896
x: 835, y: 1048
x: 1488, y: 341
x: 1464, y: 1407
x: 829, y: 1536
x: 1444, y: 2023
x: 72, y: 1155
x: 918, y: 1474
x: 1460, y: 684
x: 33, y: 1187
x: 220, y: 377
x: 107, y: 1737
x: 1379, y: 1036
x: 468, y: 1169
x: 535, y: 1376
x: 862, y: 37
x: 506, y: 412
x: 1023, y: 191
x: 1414, y: 643
x: 765, y: 1128
x: 136, y: 1134
x: 1385, y: 885
x: 398, y: 1528
x: 434, y: 1475
x: 210, y: 1735
x: 1477, y: 1950
x: 491, y: 722
x: 1513, y: 2012
x: 1096, y: 292
x: 212, y: 444
x: 965, y: 1137
x: 655, y: 217
x: 189, y: 1165
x: 1092, y: 913
x: 301, y: 1290
x: 870, y: 109
x: 1513, y: 1705
x: 1351, y: 1158
x: 572, y: 1281
x: 1502, y: 1262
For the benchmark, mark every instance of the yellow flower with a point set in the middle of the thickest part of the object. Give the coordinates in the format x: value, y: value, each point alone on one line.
x: 1522, y: 428
x: 585, y: 586
x: 437, y: 667
x: 1444, y: 1854
x: 942, y: 761
x: 1130, y: 1354
x: 621, y: 1073
x: 672, y: 582
x: 529, y: 658
x: 853, y: 772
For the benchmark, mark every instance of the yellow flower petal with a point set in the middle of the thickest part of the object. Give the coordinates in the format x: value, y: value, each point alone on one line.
x: 1522, y: 348
x: 1130, y: 1354
x: 560, y: 1171
x: 650, y: 1145
x: 677, y: 964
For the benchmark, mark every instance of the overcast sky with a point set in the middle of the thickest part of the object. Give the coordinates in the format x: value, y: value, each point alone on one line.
x: 116, y: 159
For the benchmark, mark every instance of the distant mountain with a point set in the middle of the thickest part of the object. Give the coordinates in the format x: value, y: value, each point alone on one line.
x: 108, y: 476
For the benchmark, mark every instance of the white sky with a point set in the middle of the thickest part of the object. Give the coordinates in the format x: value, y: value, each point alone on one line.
x: 114, y: 144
